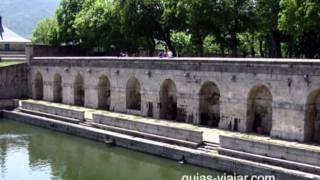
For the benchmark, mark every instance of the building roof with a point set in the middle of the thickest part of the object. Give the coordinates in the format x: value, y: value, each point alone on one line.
x: 10, y: 36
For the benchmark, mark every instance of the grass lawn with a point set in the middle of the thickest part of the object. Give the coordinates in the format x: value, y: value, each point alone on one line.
x: 10, y: 63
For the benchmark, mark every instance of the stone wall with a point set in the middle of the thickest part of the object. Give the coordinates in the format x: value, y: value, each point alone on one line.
x: 154, y: 128
x: 8, y: 104
x: 280, y: 151
x: 291, y: 86
x: 53, y: 109
x: 14, y: 81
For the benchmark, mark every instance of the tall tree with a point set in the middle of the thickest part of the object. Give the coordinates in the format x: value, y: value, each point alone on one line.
x: 151, y: 20
x: 66, y: 15
x: 239, y: 17
x: 97, y: 25
x: 204, y: 17
x: 268, y: 16
x: 300, y: 19
x: 46, y: 32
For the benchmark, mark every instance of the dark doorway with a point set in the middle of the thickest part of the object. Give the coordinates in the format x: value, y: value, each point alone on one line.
x: 104, y: 93
x: 57, y: 88
x: 209, y: 105
x: 38, y: 87
x: 79, y: 92
x: 168, y: 100
x: 260, y: 110
x: 133, y: 94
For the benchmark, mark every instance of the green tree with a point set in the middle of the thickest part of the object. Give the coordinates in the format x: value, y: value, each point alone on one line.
x: 46, y: 32
x: 268, y: 17
x: 96, y: 25
x: 239, y: 17
x: 300, y: 18
x: 66, y: 15
x: 150, y: 21
x: 203, y: 17
x: 183, y: 44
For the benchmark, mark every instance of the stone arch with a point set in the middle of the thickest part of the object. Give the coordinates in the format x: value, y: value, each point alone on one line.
x: 259, y: 110
x: 104, y: 93
x: 209, y: 104
x: 312, y: 117
x: 79, y: 92
x: 133, y: 94
x: 38, y: 86
x: 57, y: 88
x: 168, y: 100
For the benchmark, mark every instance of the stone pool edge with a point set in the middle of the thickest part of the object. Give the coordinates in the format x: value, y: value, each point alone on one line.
x: 173, y: 152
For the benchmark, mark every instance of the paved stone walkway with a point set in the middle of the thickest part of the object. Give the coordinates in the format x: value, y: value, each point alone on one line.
x: 209, y: 134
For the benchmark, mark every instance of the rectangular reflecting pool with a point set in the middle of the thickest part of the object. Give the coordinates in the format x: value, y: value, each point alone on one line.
x: 32, y: 153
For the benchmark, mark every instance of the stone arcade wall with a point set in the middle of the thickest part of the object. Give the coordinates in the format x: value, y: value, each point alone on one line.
x: 291, y: 85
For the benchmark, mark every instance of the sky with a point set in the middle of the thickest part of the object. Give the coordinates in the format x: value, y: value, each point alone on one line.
x: 22, y: 16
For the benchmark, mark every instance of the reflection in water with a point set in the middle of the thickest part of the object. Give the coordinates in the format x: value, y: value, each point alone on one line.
x: 28, y: 152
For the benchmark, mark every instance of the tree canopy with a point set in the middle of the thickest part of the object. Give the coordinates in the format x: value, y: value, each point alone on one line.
x: 247, y: 28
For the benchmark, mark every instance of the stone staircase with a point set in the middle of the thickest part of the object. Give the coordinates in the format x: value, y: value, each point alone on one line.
x: 286, y: 165
x: 270, y: 161
x: 209, y: 147
x: 87, y: 122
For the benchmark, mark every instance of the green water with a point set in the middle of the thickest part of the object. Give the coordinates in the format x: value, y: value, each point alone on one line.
x: 31, y: 153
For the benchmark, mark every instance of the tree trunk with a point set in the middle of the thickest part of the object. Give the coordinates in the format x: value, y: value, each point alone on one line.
x: 275, y: 45
x: 152, y: 46
x: 199, y: 45
x: 222, y: 49
x: 221, y: 43
x: 261, y: 48
x: 234, y: 44
x: 290, y: 48
x: 169, y: 44
x: 252, y: 41
x: 167, y: 39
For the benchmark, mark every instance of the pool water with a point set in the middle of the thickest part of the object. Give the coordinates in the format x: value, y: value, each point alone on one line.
x: 32, y: 153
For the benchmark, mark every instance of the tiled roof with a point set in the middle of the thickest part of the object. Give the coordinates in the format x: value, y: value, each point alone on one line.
x: 10, y: 36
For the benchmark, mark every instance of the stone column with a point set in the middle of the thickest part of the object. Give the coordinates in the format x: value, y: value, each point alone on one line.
x: 288, y: 121
x: 233, y: 114
x: 91, y: 96
x: 149, y: 100
x: 67, y: 93
x: 47, y: 91
x: 188, y: 108
x: 118, y: 100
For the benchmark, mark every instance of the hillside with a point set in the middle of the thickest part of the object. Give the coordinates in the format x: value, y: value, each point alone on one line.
x: 22, y: 16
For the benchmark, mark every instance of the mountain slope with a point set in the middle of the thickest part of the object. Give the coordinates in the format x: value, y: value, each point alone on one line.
x: 22, y: 16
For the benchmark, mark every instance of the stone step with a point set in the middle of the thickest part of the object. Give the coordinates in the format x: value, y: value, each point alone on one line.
x: 207, y: 150
x: 210, y: 148
x: 47, y: 115
x: 146, y: 135
x: 210, y: 145
x: 270, y: 161
x: 86, y: 124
